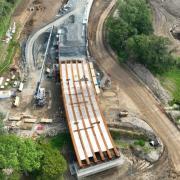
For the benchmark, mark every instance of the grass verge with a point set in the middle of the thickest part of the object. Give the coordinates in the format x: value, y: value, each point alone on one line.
x: 59, y: 141
x: 171, y: 81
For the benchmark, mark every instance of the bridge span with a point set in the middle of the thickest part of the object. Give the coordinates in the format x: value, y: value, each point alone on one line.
x: 91, y: 138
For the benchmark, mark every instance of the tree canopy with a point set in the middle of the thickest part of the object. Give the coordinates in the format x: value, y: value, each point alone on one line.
x: 53, y: 164
x: 118, y: 32
x: 130, y: 34
x: 134, y: 18
x: 26, y: 155
x: 19, y: 154
x: 137, y: 14
x: 151, y: 51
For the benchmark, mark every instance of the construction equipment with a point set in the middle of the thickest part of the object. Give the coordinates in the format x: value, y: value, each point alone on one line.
x: 40, y: 92
x: 41, y: 97
x: 123, y: 113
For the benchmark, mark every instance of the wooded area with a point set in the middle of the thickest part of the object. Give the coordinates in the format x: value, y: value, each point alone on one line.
x: 23, y: 156
x: 130, y: 34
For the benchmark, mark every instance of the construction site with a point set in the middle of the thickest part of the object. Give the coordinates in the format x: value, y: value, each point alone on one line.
x: 67, y: 79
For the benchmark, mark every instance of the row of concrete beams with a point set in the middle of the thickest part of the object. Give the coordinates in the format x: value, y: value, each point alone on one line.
x: 87, y: 126
x: 103, y: 118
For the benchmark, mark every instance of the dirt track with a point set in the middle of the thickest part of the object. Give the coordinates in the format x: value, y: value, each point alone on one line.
x: 166, y: 16
x: 147, y: 105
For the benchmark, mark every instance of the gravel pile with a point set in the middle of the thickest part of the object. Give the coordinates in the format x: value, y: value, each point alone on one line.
x: 147, y: 77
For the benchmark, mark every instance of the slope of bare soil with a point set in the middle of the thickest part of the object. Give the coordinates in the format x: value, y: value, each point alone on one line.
x: 42, y: 12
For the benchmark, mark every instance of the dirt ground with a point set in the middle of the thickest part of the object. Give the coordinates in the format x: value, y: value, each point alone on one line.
x: 139, y: 97
x: 166, y: 16
x: 114, y: 100
x: 42, y: 13
x: 21, y: 13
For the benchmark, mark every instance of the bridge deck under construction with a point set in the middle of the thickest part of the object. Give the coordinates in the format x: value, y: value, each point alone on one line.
x: 89, y: 132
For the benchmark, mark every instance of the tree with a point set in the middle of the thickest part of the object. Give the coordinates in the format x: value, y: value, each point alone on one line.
x: 53, y: 164
x: 151, y: 51
x: 118, y: 32
x: 29, y: 155
x: 19, y: 154
x: 134, y: 19
x: 137, y: 14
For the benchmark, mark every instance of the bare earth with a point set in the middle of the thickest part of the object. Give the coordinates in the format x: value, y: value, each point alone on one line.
x: 44, y: 11
x: 142, y: 99
x: 166, y: 15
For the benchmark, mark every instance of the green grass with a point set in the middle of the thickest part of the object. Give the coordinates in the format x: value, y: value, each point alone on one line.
x: 178, y: 120
x: 2, y: 116
x: 140, y: 142
x: 7, y: 51
x: 171, y: 81
x: 11, y: 50
x: 59, y: 141
x: 122, y: 144
x: 6, y: 19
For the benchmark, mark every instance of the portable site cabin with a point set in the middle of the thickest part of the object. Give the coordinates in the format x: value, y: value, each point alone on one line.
x: 21, y: 87
x: 5, y: 94
x: 16, y: 101
x: 13, y: 77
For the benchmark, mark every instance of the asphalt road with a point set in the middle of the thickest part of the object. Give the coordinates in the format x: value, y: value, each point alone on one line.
x: 128, y: 83
x: 35, y: 36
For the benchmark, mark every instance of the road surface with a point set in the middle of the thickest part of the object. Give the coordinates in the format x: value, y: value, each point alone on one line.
x: 57, y: 22
x: 142, y: 98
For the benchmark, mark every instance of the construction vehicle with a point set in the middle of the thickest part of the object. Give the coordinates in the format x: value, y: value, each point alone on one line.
x: 15, y: 84
x: 123, y: 114
x: 40, y: 98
